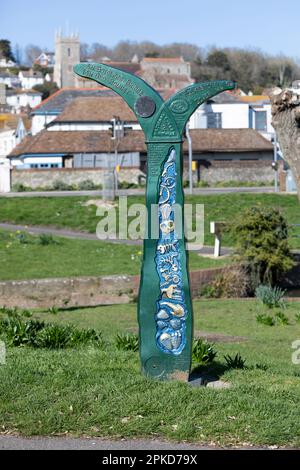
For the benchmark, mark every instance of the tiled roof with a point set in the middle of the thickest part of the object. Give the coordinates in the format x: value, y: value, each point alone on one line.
x: 131, y: 67
x: 20, y: 91
x: 229, y: 140
x: 96, y: 109
x: 204, y: 140
x: 56, y: 103
x: 163, y: 59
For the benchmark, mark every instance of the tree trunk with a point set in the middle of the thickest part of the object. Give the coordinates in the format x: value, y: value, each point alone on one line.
x: 286, y: 122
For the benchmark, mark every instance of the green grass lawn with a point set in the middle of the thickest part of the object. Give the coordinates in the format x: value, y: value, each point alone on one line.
x: 100, y: 392
x: 69, y: 212
x: 26, y: 258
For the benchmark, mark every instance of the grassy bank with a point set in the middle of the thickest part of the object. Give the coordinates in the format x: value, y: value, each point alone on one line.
x: 100, y: 392
x: 23, y: 256
x: 70, y: 212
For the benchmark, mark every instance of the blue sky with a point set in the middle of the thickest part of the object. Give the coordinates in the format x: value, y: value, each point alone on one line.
x: 269, y: 25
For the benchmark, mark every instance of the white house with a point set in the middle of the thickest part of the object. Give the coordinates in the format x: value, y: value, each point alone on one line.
x: 18, y: 99
x: 30, y: 78
x: 228, y: 112
x: 7, y: 63
x: 9, y: 79
x: 12, y: 132
x: 45, y: 59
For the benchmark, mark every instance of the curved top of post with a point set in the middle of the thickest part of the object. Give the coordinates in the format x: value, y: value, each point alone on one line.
x: 161, y: 121
x: 185, y: 102
x: 144, y: 101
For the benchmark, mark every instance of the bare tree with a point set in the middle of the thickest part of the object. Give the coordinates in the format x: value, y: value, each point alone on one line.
x: 18, y: 53
x: 32, y: 52
x: 286, y: 121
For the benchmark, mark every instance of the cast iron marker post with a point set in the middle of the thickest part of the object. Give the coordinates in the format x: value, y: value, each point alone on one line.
x: 164, y: 308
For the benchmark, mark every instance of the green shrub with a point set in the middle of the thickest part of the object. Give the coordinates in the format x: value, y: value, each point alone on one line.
x: 59, y: 185
x: 19, y: 332
x: 209, y: 292
x: 265, y: 319
x: 9, y: 311
x: 127, y: 185
x: 236, y: 362
x: 270, y: 296
x: 203, y: 352
x: 87, y: 185
x: 47, y: 239
x: 297, y: 317
x: 127, y: 342
x: 86, y: 336
x: 54, y: 337
x: 202, y: 184
x: 53, y: 310
x: 57, y: 336
x: 20, y: 188
x: 261, y: 238
x: 231, y: 283
x: 281, y: 318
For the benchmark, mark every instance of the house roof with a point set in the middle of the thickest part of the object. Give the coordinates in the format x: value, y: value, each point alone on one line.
x: 131, y: 67
x: 226, y: 98
x: 96, y: 109
x: 203, y: 140
x: 7, y: 74
x: 163, y: 59
x: 10, y: 121
x: 31, y: 74
x: 254, y: 98
x: 56, y: 102
x: 229, y: 140
x: 20, y: 91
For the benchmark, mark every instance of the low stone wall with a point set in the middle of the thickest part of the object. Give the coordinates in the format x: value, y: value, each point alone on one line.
x: 84, y: 291
x: 76, y: 292
x: 42, y: 178
x: 252, y: 171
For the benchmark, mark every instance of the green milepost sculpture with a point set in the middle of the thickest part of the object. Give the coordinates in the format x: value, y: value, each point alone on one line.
x: 165, y: 308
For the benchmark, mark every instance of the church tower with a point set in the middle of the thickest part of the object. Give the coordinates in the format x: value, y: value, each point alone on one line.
x: 67, y: 54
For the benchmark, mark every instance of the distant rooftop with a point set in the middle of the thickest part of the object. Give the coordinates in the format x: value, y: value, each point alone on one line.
x: 254, y: 98
x: 57, y: 102
x: 225, y: 97
x: 163, y: 59
x: 96, y: 109
x: 204, y: 141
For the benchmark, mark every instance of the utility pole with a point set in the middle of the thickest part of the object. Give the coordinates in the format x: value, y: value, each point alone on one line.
x: 189, y: 139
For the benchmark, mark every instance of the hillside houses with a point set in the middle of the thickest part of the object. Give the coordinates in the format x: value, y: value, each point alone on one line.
x: 78, y: 135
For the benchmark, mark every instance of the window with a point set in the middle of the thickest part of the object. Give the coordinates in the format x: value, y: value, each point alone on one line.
x: 69, y: 52
x: 214, y: 120
x: 261, y: 120
x: 54, y: 165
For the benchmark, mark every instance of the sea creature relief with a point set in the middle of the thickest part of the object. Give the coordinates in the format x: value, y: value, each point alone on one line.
x: 171, y: 310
